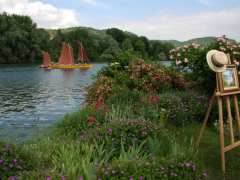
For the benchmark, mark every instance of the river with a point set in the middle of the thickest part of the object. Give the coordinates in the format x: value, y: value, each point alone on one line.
x: 32, y: 98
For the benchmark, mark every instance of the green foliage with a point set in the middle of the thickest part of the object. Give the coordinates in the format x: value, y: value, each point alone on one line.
x: 74, y: 124
x: 21, y: 41
x: 183, y: 107
x: 124, y: 133
x: 13, y: 161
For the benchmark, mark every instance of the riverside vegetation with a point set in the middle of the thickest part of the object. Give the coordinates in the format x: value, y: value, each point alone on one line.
x: 138, y: 123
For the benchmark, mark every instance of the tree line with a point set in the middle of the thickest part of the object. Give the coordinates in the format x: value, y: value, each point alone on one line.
x: 22, y: 42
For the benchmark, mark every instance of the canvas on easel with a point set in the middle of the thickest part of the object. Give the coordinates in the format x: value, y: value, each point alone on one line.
x: 227, y: 88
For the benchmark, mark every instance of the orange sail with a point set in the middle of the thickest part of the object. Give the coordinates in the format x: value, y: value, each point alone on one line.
x: 66, y: 57
x: 82, y: 54
x: 46, y: 60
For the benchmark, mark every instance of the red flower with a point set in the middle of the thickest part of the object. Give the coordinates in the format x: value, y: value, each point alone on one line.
x: 99, y: 103
x: 90, y: 121
x: 153, y: 99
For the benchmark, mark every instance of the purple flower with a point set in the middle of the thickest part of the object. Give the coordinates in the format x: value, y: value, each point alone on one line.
x: 12, y: 178
x: 110, y: 131
x: 7, y: 147
x: 1, y: 161
x: 131, y: 178
x: 48, y: 178
x: 81, y: 178
x: 14, y: 161
x: 62, y: 177
x: 205, y: 174
x: 140, y: 178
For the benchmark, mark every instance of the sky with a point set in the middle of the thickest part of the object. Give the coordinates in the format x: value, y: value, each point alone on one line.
x: 155, y: 19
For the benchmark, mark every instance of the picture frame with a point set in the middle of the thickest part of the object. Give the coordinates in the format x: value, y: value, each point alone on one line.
x: 228, y: 80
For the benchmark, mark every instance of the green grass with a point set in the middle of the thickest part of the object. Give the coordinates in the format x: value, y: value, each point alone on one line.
x: 209, y: 153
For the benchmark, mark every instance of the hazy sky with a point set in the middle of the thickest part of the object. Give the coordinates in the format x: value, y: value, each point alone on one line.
x: 156, y: 19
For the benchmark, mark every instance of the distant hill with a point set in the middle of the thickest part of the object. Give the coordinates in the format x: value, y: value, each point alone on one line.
x: 204, y: 41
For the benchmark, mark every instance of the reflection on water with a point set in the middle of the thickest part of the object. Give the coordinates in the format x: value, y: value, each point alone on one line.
x: 32, y: 98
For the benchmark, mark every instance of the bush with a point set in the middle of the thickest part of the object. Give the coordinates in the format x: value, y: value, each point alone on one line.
x: 13, y: 161
x: 139, y: 76
x: 122, y: 133
x: 184, y: 107
x: 141, y: 170
x: 76, y: 123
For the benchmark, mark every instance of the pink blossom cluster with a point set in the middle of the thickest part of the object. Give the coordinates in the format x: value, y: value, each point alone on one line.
x: 179, y: 54
x: 230, y: 47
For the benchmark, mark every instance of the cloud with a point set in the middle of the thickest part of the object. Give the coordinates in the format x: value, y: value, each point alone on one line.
x: 186, y: 27
x: 46, y: 15
x: 204, y: 2
x: 91, y: 2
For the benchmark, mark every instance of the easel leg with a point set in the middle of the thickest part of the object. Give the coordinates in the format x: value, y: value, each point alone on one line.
x: 221, y: 127
x: 237, y: 111
x: 230, y: 119
x: 206, y: 119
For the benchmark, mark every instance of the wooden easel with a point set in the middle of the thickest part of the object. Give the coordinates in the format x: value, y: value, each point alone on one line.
x: 221, y: 97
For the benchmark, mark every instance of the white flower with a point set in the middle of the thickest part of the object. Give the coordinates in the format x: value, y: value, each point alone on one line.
x: 171, y: 57
x: 178, y: 54
x: 222, y: 49
x: 178, y: 62
x: 186, y: 60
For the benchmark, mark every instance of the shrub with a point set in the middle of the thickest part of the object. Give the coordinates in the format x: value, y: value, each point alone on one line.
x: 13, y: 161
x: 148, y: 170
x: 76, y: 123
x: 184, y: 107
x: 192, y: 60
x: 122, y: 133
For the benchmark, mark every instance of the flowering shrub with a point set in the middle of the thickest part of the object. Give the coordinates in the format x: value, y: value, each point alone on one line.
x: 191, y: 59
x: 149, y: 78
x: 229, y: 47
x: 123, y: 133
x: 103, y: 87
x: 76, y: 123
x: 145, y: 170
x: 184, y: 107
x: 180, y: 54
x: 139, y: 76
x: 12, y: 162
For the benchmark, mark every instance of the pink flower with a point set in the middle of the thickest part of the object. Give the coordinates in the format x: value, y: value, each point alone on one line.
x: 178, y: 62
x: 236, y: 62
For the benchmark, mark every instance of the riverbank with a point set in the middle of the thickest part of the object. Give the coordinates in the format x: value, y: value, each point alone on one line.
x: 139, y: 122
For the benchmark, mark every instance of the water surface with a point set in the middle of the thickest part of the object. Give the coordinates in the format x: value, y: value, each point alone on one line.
x: 33, y: 98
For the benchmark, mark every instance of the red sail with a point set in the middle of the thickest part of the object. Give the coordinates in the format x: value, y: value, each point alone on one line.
x: 82, y: 54
x: 66, y: 57
x: 46, y: 59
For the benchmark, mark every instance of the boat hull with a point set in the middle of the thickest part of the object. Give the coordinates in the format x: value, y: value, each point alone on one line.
x: 77, y: 66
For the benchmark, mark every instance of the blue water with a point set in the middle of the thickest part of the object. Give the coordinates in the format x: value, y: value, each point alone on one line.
x: 32, y: 98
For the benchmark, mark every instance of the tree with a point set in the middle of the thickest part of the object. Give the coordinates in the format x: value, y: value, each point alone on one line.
x: 21, y: 41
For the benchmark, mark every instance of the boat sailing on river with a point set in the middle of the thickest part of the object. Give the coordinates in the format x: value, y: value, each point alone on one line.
x: 66, y: 59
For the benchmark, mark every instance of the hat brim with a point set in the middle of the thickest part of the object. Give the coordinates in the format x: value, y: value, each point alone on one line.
x: 210, y: 63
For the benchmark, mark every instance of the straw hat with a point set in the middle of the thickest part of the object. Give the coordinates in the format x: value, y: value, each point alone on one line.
x: 217, y: 60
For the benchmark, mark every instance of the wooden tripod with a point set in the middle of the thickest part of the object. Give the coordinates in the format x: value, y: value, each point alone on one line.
x: 221, y: 98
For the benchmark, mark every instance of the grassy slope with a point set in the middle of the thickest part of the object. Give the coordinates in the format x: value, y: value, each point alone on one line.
x: 209, y: 153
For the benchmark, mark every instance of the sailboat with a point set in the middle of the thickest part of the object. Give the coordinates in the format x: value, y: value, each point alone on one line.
x: 46, y: 61
x: 66, y: 59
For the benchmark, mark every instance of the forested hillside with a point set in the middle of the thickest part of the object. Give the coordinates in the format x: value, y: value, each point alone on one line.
x: 22, y: 42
